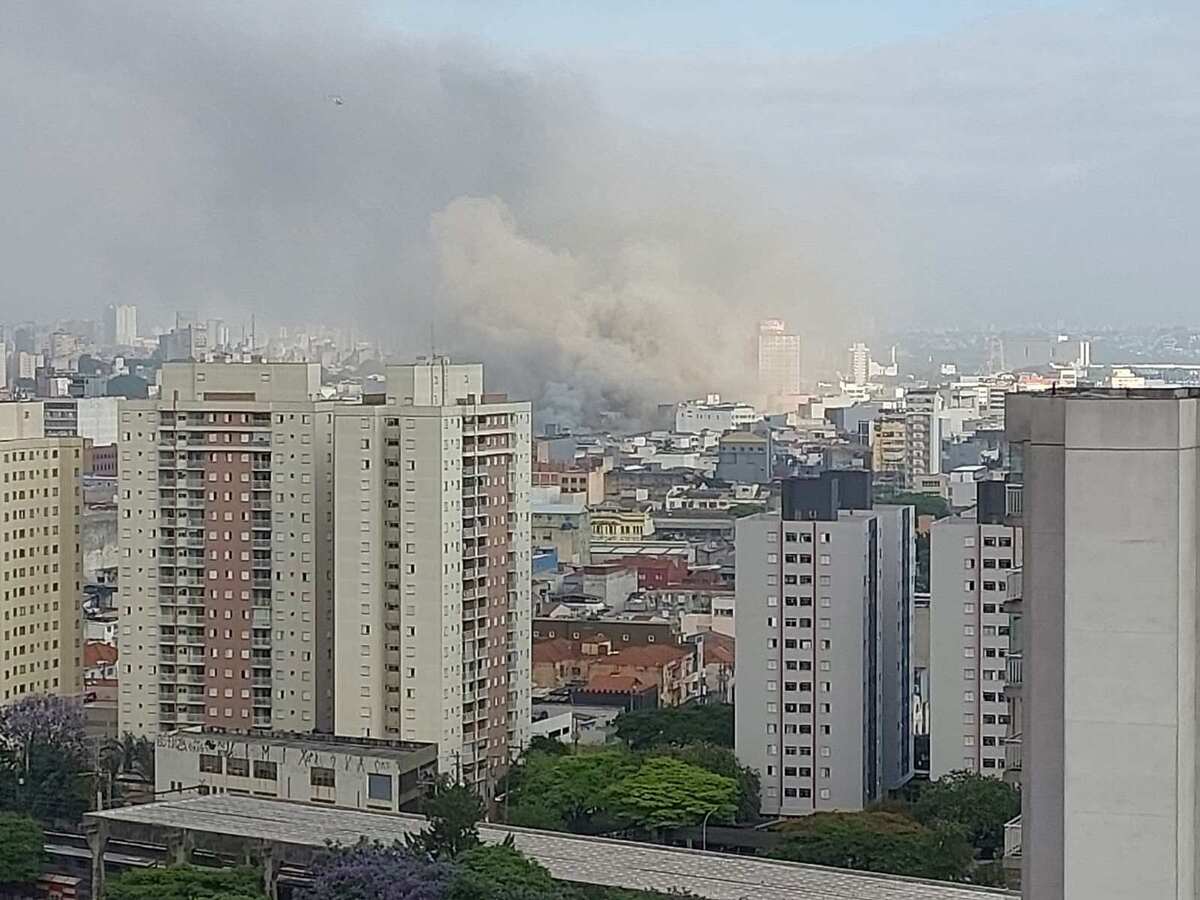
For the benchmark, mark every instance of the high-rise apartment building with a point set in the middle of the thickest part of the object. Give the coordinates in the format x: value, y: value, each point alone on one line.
x: 778, y: 360
x: 889, y: 449
x: 860, y: 363
x: 120, y: 325
x: 923, y: 409
x: 1111, y: 515
x: 41, y: 568
x: 433, y: 567
x: 226, y: 568
x: 824, y: 646
x: 972, y: 557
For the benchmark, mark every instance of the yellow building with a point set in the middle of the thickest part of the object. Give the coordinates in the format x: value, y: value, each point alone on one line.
x: 40, y: 566
x: 617, y: 523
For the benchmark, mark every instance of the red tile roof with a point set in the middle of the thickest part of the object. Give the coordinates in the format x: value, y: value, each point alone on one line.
x: 97, y: 653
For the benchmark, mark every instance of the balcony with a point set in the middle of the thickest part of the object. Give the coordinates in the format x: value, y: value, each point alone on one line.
x: 1014, y: 500
x: 1014, y: 670
x: 1012, y: 754
x: 1012, y: 839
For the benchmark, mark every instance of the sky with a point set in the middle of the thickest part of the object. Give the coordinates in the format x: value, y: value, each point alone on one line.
x: 600, y: 199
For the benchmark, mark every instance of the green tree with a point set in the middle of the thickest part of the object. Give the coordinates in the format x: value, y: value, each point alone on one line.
x: 21, y: 844
x: 878, y: 842
x: 669, y: 793
x: 500, y: 872
x: 722, y: 761
x: 979, y: 805
x: 924, y: 504
x: 453, y: 811
x: 567, y: 793
x: 695, y: 723
x: 186, y: 883
x: 547, y: 745
x: 921, y: 576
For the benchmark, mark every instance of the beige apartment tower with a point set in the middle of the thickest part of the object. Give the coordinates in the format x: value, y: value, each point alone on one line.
x: 224, y: 517
x: 432, y: 579
x: 41, y: 567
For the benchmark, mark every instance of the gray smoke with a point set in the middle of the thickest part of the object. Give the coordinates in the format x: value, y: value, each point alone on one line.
x: 190, y: 156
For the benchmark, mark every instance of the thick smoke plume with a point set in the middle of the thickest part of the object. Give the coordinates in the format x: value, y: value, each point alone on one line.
x: 193, y: 156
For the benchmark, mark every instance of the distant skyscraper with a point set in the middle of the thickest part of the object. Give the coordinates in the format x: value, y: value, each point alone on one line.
x: 120, y: 325
x: 1111, y: 581
x: 778, y: 360
x: 860, y: 363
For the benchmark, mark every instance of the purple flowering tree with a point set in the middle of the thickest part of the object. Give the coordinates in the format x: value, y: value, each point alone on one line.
x: 44, y: 758
x: 372, y: 872
x: 42, y: 720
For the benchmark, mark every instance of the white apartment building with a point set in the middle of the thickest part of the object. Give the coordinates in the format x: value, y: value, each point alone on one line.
x: 824, y: 647
x: 972, y: 557
x: 1111, y: 517
x: 710, y: 414
x: 120, y: 325
x: 40, y: 571
x: 779, y: 372
x: 226, y: 568
x: 923, y: 439
x: 860, y: 363
x: 432, y: 580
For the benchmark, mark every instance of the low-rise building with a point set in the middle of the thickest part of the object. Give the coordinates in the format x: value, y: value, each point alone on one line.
x: 744, y: 458
x: 356, y: 773
x: 711, y: 414
x: 671, y: 668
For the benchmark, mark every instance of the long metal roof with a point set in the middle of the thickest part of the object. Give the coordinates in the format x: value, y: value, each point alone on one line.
x: 568, y: 857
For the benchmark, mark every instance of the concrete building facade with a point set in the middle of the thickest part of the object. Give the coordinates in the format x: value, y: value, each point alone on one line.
x: 972, y: 557
x: 41, y: 568
x: 432, y: 581
x: 824, y: 649
x: 352, y: 773
x: 779, y: 371
x: 923, y: 438
x: 224, y: 504
x: 1111, y: 514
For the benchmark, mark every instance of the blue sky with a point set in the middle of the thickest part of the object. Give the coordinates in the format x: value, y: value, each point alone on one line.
x: 689, y: 26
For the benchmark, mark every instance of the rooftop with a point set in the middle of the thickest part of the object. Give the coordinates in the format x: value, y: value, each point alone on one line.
x: 599, y: 861
x: 319, y: 743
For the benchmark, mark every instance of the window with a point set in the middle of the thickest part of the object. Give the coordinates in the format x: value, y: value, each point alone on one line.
x: 267, y: 771
x: 238, y: 767
x: 210, y: 763
x: 379, y: 788
x: 319, y: 776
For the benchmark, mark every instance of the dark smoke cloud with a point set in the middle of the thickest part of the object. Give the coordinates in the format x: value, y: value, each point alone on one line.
x: 189, y: 156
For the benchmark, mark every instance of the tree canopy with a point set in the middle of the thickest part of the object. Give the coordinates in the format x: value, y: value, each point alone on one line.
x: 43, y: 758
x: 567, y: 793
x: 707, y: 723
x: 925, y: 504
x: 187, y: 883
x: 454, y: 811
x: 877, y: 842
x: 670, y: 793
x: 978, y: 804
x: 373, y: 872
x: 21, y: 844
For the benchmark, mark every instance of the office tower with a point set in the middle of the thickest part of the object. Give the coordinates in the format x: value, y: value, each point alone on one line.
x: 923, y: 409
x: 824, y: 646
x: 224, y: 501
x: 42, y: 562
x: 1110, y: 581
x: 972, y: 556
x: 120, y: 325
x: 778, y: 360
x: 432, y: 577
x: 860, y: 363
